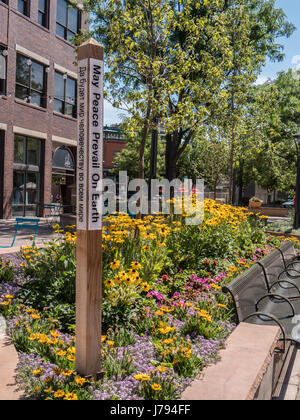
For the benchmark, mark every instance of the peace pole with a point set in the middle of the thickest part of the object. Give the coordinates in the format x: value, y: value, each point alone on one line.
x: 89, y: 220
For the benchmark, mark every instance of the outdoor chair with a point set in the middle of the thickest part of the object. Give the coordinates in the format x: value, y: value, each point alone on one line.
x: 54, y: 211
x: 22, y: 223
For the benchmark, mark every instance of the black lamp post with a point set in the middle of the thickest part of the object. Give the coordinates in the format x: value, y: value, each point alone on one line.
x: 153, y: 157
x: 297, y: 204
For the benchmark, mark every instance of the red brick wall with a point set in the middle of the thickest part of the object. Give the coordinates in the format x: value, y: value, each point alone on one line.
x: 111, y: 147
x: 28, y: 34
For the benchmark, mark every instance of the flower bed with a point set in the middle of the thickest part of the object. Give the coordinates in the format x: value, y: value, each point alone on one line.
x: 164, y: 314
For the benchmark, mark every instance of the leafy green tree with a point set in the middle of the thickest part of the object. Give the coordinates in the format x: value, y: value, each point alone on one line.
x: 128, y: 158
x: 266, y: 153
x: 206, y: 158
x: 166, y: 61
x: 255, y: 27
x: 178, y: 64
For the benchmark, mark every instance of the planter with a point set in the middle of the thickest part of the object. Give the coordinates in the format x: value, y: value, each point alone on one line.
x: 255, y: 204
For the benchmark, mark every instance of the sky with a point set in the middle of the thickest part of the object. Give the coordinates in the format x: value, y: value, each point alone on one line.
x: 291, y: 45
x: 291, y: 50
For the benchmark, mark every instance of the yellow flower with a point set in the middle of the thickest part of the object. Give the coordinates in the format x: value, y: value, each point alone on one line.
x: 110, y: 343
x: 133, y: 272
x: 168, y: 341
x: 54, y: 334
x: 35, y: 316
x: 166, y: 330
x: 71, y: 358
x: 136, y: 265
x: 59, y: 394
x: 142, y: 377
x: 146, y: 287
x: 66, y: 372
x: 9, y: 296
x: 80, y: 381
x: 214, y: 286
x: 108, y: 283
x: 103, y: 338
x: 129, y: 280
x: 61, y: 353
x: 37, y: 372
x: 43, y: 339
x: 161, y: 369
x: 115, y: 264
x: 71, y: 397
x: 47, y: 390
x: 156, y: 387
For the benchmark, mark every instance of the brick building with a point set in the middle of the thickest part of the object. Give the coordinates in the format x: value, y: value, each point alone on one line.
x: 114, y: 142
x: 38, y: 90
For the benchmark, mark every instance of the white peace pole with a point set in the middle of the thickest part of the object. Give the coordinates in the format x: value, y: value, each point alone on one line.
x: 89, y: 221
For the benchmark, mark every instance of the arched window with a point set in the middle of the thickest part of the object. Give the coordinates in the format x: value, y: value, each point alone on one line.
x: 63, y: 160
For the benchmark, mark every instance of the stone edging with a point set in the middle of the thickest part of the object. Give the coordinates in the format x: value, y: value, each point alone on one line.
x: 241, y: 373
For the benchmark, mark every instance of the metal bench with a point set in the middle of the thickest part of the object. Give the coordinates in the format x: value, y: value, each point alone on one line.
x: 291, y: 259
x: 280, y: 276
x: 255, y: 303
x: 22, y: 223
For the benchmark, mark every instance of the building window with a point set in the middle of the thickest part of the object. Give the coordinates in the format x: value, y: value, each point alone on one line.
x: 3, y: 53
x: 65, y: 95
x: 67, y: 20
x: 31, y: 81
x: 26, y: 178
x: 24, y: 7
x: 43, y: 13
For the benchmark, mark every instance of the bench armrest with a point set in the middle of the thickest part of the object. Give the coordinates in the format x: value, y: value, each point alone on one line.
x: 285, y: 281
x: 276, y: 295
x: 273, y: 318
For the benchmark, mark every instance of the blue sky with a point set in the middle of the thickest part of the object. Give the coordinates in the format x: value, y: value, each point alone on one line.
x: 291, y: 49
x: 291, y: 45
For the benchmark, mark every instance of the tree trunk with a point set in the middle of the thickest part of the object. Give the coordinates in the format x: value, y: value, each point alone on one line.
x: 241, y: 185
x: 215, y: 191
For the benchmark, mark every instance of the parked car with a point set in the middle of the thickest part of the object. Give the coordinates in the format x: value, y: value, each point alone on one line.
x: 288, y: 204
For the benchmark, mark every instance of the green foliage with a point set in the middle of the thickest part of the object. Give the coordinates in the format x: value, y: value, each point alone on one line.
x: 128, y: 158
x: 6, y: 271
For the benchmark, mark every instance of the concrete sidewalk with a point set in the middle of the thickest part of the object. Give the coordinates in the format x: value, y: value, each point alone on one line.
x: 7, y: 230
x: 291, y: 385
x: 8, y: 364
